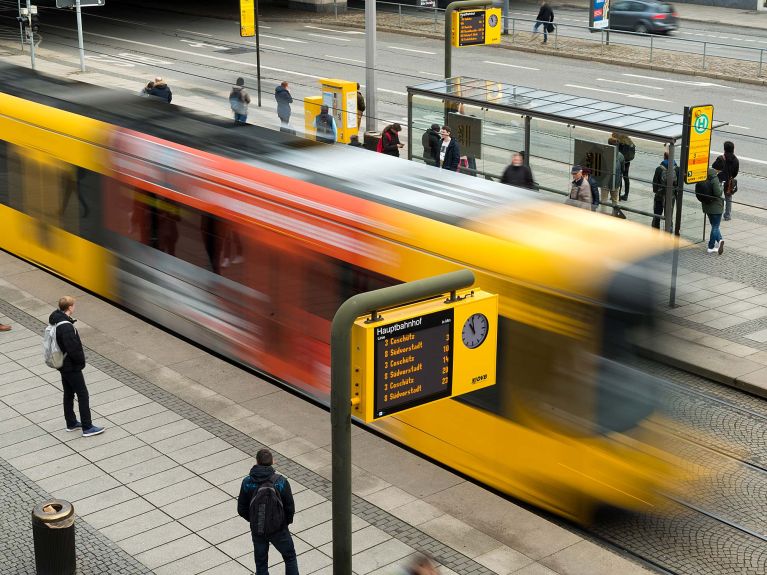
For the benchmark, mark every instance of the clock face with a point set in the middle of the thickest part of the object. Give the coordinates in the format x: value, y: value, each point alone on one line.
x: 493, y: 20
x: 474, y: 330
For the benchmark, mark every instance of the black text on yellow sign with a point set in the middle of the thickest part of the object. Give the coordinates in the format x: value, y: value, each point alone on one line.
x: 423, y: 352
x: 247, y: 18
x: 476, y: 27
x: 698, y: 128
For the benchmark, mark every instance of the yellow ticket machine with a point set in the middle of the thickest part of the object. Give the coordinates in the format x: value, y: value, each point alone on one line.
x: 340, y: 96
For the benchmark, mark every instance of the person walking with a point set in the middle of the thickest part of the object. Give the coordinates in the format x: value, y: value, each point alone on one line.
x: 325, y: 125
x: 284, y: 100
x: 728, y: 166
x: 72, y: 380
x: 160, y: 90
x: 710, y: 196
x: 431, y: 142
x: 360, y: 106
x: 238, y: 101
x: 545, y: 18
x: 659, y: 182
x: 518, y: 174
x: 256, y: 503
x: 449, y: 151
x: 580, y: 189
x: 627, y: 148
x: 390, y: 144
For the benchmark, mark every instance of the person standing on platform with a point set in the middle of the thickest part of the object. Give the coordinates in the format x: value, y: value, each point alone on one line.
x: 72, y: 380
x: 728, y: 166
x: 431, y: 142
x: 284, y: 100
x: 160, y: 90
x: 450, y: 151
x: 390, y: 144
x: 580, y: 189
x: 238, y: 102
x: 360, y: 106
x: 518, y: 174
x: 709, y: 194
x: 325, y: 125
x: 266, y: 501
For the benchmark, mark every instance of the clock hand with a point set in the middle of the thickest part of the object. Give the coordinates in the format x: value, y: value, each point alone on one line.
x: 471, y: 325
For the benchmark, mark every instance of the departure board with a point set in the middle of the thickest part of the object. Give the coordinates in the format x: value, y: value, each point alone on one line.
x: 413, y: 362
x: 471, y: 28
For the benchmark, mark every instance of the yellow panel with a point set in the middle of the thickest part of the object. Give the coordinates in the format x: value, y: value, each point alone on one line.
x: 699, y: 130
x: 424, y: 352
x: 341, y: 98
x: 80, y: 261
x: 247, y: 18
x: 69, y: 137
x: 311, y: 110
x: 493, y: 26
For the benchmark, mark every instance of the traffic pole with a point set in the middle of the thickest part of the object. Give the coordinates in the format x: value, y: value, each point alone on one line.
x: 80, y: 35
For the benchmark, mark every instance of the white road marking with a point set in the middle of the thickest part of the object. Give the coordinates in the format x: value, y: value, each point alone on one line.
x: 284, y: 39
x: 750, y: 102
x: 637, y: 96
x: 743, y: 158
x: 739, y: 127
x: 701, y: 84
x: 200, y: 55
x: 629, y: 84
x: 144, y: 59
x: 330, y: 37
x: 108, y: 60
x: 411, y: 50
x: 345, y: 59
x: 336, y: 31
x: 431, y: 74
x: 269, y: 46
x: 195, y: 44
x: 195, y: 33
x: 511, y: 65
x: 392, y: 91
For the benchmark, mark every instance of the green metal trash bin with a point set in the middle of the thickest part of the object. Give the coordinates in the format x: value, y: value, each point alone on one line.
x: 53, y: 530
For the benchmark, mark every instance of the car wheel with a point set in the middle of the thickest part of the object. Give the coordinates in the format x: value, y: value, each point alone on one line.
x: 640, y: 28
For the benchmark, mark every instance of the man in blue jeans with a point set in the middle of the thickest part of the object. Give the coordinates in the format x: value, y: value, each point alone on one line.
x: 713, y: 208
x: 281, y: 539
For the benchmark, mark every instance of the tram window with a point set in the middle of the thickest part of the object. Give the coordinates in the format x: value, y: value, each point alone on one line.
x: 4, y: 175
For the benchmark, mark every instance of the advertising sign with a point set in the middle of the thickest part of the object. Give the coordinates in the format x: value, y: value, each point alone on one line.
x: 247, y: 18
x: 423, y: 352
x: 599, y: 14
x: 476, y: 27
x: 600, y: 158
x: 467, y: 130
x: 696, y: 143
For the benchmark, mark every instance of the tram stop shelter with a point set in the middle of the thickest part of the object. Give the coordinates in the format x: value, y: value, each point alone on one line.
x: 490, y: 119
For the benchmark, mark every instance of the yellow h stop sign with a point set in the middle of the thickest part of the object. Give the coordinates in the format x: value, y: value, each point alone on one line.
x: 698, y: 125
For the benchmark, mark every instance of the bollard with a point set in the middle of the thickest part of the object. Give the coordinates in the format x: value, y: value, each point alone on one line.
x: 53, y: 531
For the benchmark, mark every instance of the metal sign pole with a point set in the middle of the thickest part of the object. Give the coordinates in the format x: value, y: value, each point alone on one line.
x: 21, y: 27
x: 341, y: 386
x: 31, y: 33
x: 370, y: 65
x: 452, y: 7
x: 80, y: 35
x: 258, y: 59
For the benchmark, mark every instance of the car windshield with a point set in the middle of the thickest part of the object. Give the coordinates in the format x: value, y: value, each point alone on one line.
x: 666, y: 8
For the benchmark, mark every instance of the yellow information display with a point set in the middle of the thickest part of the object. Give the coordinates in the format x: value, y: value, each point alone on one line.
x: 247, y: 18
x: 423, y: 352
x: 476, y: 27
x: 698, y: 127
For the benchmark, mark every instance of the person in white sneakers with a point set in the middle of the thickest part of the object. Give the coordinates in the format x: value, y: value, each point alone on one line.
x: 709, y: 194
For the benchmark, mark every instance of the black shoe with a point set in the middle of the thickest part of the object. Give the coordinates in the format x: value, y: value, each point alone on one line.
x: 624, y: 197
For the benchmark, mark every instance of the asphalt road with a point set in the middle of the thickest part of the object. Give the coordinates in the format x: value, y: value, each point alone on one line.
x: 211, y: 53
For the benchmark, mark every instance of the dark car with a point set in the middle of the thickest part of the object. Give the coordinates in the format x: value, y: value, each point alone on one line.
x: 643, y: 16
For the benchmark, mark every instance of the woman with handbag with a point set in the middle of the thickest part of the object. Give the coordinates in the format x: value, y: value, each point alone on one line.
x: 728, y: 166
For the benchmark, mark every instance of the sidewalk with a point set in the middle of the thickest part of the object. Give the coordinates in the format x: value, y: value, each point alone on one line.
x: 156, y: 493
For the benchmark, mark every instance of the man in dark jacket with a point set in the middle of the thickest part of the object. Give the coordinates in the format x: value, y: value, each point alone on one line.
x: 545, y: 18
x: 281, y: 540
x: 450, y: 151
x: 390, y: 144
x: 431, y: 142
x: 713, y: 209
x: 659, y: 183
x: 72, y: 380
x: 728, y: 166
x: 517, y: 173
x: 284, y: 100
x: 360, y: 106
x: 161, y: 90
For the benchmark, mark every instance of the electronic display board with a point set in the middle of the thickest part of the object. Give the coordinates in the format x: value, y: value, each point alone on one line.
x: 476, y: 27
x: 423, y: 352
x: 696, y: 142
x: 413, y: 362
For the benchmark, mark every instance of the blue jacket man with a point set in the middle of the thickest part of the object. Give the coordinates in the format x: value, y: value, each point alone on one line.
x: 281, y: 540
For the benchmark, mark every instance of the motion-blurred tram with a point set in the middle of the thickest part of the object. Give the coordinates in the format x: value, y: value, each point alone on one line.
x: 247, y: 241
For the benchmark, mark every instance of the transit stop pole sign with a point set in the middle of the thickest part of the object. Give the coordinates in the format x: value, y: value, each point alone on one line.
x: 423, y: 352
x: 413, y: 354
x: 696, y: 142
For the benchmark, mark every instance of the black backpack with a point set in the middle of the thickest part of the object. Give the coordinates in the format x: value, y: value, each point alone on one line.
x: 324, y: 124
x: 704, y: 191
x: 628, y: 151
x: 267, y: 514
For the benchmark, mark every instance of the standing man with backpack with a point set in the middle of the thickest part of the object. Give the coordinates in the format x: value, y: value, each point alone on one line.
x: 72, y: 381
x: 238, y: 102
x: 266, y: 501
x: 325, y: 125
x: 728, y: 166
x: 628, y: 149
x: 709, y: 194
